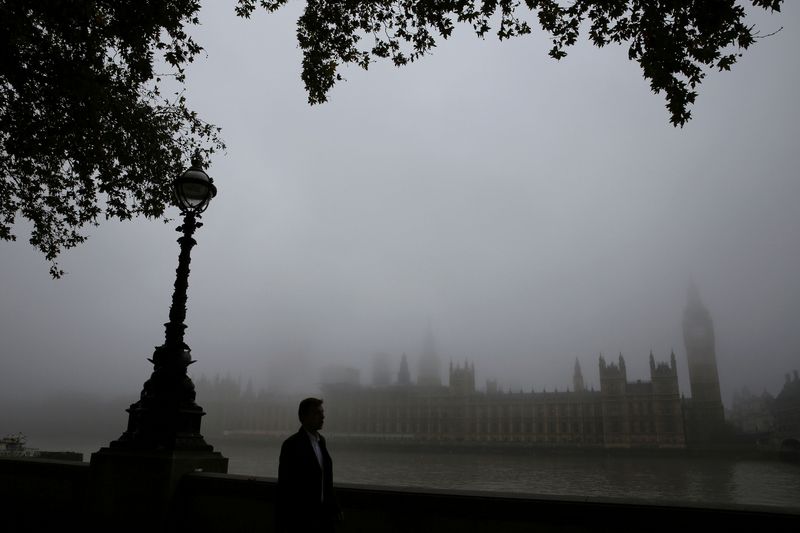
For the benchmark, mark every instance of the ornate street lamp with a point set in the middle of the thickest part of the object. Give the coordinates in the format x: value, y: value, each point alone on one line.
x: 166, y: 415
x: 136, y: 475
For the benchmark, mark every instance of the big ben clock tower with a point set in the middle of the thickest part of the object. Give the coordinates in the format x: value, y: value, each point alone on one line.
x: 706, y: 415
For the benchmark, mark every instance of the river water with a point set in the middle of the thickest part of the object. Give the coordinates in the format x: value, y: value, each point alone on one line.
x: 670, y: 479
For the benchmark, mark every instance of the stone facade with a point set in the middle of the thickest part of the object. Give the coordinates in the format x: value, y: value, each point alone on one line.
x: 620, y: 415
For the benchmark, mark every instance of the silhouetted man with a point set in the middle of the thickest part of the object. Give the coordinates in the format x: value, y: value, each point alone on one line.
x: 305, y: 476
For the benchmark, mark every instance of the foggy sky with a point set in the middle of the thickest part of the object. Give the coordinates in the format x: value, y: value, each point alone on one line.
x: 532, y: 212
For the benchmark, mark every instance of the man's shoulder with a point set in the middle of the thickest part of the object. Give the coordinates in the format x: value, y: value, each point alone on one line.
x: 294, y: 438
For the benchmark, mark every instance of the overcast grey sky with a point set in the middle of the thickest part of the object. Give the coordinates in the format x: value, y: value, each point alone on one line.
x: 532, y: 212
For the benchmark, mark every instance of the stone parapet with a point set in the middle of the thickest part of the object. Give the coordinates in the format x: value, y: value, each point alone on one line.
x: 41, y: 495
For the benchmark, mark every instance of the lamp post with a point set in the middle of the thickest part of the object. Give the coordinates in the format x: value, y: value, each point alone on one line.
x: 166, y: 415
x: 162, y: 441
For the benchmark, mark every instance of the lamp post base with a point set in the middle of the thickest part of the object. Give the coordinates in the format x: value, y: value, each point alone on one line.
x: 133, y: 489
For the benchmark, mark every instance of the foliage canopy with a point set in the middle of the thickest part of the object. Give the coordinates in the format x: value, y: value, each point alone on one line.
x: 672, y: 40
x: 87, y: 129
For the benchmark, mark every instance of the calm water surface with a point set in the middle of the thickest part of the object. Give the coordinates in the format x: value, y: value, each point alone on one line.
x: 669, y: 479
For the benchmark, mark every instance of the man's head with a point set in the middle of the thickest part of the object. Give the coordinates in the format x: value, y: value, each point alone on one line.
x: 311, y: 414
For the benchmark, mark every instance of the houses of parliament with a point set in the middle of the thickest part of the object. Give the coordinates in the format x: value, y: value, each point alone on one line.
x: 621, y: 414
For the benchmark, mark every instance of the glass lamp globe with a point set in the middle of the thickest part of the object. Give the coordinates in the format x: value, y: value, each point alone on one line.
x: 194, y: 189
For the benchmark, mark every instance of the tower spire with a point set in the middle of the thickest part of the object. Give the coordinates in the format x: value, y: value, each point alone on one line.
x: 577, y: 377
x: 403, y: 376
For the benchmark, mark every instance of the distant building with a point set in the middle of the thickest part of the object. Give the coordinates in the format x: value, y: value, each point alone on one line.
x: 641, y: 413
x: 403, y: 375
x: 462, y: 380
x: 621, y: 414
x: 705, y: 415
x: 786, y: 410
x: 752, y: 414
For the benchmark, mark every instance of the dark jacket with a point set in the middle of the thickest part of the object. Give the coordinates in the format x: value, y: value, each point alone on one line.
x: 305, y: 491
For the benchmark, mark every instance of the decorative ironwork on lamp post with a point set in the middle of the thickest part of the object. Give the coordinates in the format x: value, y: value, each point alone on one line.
x: 166, y: 416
